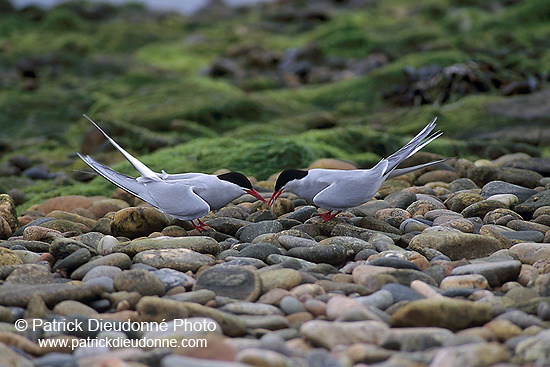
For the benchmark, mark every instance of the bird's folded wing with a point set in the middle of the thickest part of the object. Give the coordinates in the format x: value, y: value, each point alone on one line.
x: 121, y: 180
x: 177, y: 199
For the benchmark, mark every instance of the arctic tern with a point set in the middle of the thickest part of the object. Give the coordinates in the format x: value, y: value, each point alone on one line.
x: 337, y: 190
x: 186, y: 196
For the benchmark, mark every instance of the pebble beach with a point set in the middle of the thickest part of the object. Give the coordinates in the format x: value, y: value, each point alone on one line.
x: 448, y: 266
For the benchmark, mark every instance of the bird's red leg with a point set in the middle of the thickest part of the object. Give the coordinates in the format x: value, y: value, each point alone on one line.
x: 329, y: 215
x: 201, y: 227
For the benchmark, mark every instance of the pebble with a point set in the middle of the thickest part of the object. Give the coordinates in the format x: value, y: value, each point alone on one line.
x: 500, y: 187
x: 139, y: 280
x: 241, y: 283
x: 180, y: 259
x: 453, y: 314
x: 442, y: 274
x: 135, y: 222
x: 456, y: 245
x: 328, y: 334
x: 249, y: 232
x: 202, y: 244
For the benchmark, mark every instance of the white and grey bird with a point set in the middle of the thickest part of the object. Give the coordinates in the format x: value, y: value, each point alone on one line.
x: 337, y: 190
x: 186, y: 196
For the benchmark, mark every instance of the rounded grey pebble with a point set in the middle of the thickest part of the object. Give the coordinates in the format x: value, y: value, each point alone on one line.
x: 393, y: 262
x: 102, y: 270
x: 302, y: 213
x: 107, y: 283
x: 74, y: 260
x: 173, y: 278
x: 381, y: 299
x: 289, y: 242
x: 251, y: 231
x: 258, y: 251
x: 401, y: 292
x: 290, y: 305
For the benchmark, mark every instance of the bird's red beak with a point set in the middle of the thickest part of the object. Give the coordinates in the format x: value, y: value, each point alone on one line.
x: 256, y: 194
x: 274, y: 197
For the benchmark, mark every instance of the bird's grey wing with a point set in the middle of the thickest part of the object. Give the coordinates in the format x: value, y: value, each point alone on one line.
x: 177, y: 199
x: 143, y: 169
x: 121, y: 180
x: 413, y: 146
x: 402, y: 171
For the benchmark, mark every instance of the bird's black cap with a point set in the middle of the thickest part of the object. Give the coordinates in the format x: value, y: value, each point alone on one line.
x: 237, y: 178
x: 287, y: 176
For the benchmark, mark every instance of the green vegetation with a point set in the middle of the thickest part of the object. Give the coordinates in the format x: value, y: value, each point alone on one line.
x: 146, y: 79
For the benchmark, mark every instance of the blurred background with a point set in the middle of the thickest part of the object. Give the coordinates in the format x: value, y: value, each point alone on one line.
x: 260, y: 86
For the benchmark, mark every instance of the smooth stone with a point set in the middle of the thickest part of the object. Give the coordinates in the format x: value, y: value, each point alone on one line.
x: 289, y: 242
x: 417, y: 339
x: 456, y: 245
x: 529, y: 253
x: 106, y: 244
x: 174, y: 360
x: 352, y: 245
x: 72, y: 217
x: 242, y: 261
x: 393, y: 216
x: 34, y: 246
x: 173, y: 278
x: 474, y: 281
x: 500, y: 216
x: 251, y: 231
x: 259, y: 251
x: 459, y: 201
x: 251, y: 308
x: 202, y: 296
x: 54, y: 359
x: 104, y: 282
x: 520, y: 318
x: 377, y: 225
x: 60, y: 248
x: 523, y: 225
x: 501, y: 187
x: 290, y: 305
x: 481, y: 208
x: 135, y: 222
x: 139, y: 280
x: 302, y: 213
x: 119, y: 260
x: 328, y: 334
x: 475, y: 354
x: 442, y: 312
x: 226, y: 225
x: 27, y: 257
x: 8, y: 257
x: 462, y: 184
x: 370, y: 208
x: 74, y: 260
x: 329, y: 254
x: 180, y: 259
x: 263, y: 357
x: 8, y: 212
x: 496, y: 273
x: 30, y: 274
x: 102, y: 270
x: 533, y: 350
x: 542, y: 285
x: 289, y: 261
x: 529, y: 206
x: 393, y: 262
x: 201, y: 244
x: 401, y: 292
x: 412, y: 225
x: 381, y: 299
x: 261, y: 216
x: 507, y: 199
x: 400, y: 199
x: 421, y: 207
x: 19, y: 294
x: 70, y: 307
x: 241, y: 283
x: 155, y: 309
x: 280, y: 278
x: 268, y: 322
x: 482, y: 175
